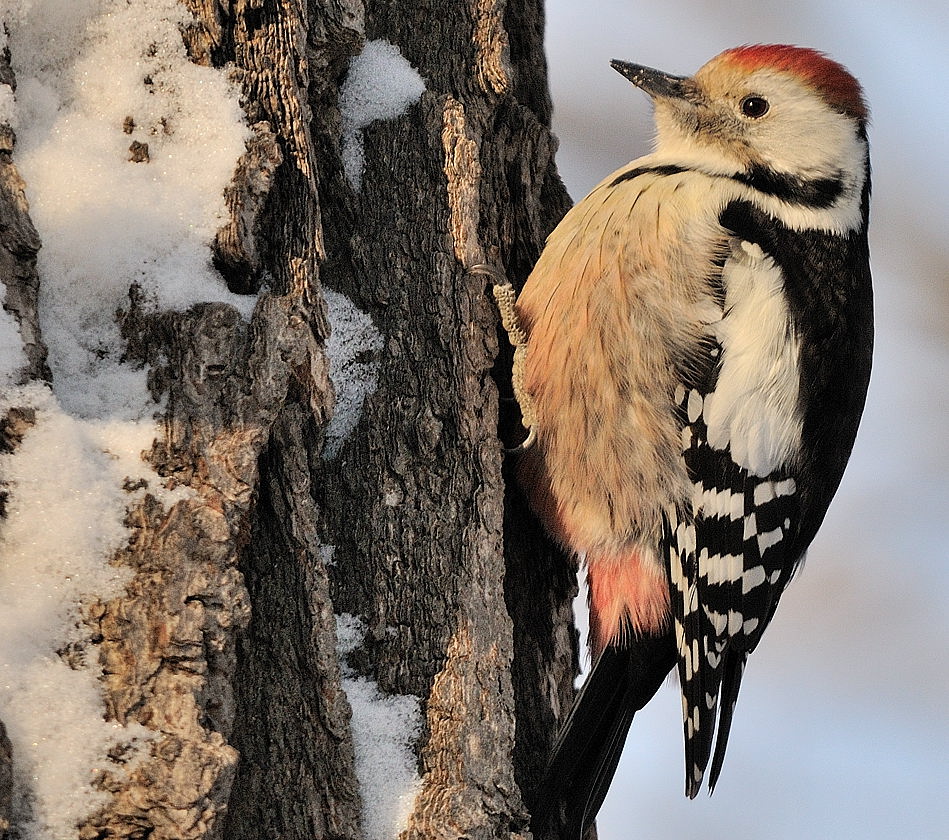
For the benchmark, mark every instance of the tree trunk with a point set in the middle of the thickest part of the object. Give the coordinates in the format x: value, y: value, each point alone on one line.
x: 224, y: 643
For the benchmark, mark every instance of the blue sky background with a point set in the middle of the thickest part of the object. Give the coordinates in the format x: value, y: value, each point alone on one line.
x: 842, y: 728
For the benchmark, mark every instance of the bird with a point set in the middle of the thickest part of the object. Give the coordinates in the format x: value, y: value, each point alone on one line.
x: 697, y: 353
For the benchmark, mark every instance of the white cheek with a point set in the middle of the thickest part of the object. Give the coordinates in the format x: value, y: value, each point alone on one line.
x: 791, y: 145
x: 753, y: 411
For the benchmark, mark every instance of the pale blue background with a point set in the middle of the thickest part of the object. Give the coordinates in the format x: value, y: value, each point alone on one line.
x: 842, y: 727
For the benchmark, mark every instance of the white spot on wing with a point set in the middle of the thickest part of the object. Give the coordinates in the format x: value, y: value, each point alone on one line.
x: 752, y: 578
x: 753, y: 411
x: 769, y: 538
x: 694, y: 406
x: 751, y: 526
x: 718, y: 620
x: 737, y: 509
x: 785, y: 488
x: 764, y: 492
x: 686, y: 653
x: 720, y: 568
x: 752, y: 250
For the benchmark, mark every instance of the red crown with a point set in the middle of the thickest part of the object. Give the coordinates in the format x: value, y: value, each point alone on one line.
x: 830, y: 79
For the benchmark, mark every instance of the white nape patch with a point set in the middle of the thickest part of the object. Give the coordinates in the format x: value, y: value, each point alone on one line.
x: 381, y: 85
x: 783, y: 143
x: 753, y: 411
x: 840, y: 219
x: 384, y: 728
x: 352, y: 350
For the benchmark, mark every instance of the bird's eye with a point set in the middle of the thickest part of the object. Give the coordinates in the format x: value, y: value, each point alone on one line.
x: 754, y: 106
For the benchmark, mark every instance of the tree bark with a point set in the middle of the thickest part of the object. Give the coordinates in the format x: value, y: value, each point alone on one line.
x: 224, y: 643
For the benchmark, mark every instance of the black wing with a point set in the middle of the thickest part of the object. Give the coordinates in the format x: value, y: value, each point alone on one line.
x: 734, y: 549
x: 729, y: 563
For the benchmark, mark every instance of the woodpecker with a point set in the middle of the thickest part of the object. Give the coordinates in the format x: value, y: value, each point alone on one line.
x: 699, y: 337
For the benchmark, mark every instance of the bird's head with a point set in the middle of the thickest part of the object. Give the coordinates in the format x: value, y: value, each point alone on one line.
x: 783, y: 109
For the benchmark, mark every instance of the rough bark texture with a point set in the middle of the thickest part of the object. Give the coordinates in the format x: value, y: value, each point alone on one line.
x: 224, y: 643
x: 415, y: 502
x: 19, y: 244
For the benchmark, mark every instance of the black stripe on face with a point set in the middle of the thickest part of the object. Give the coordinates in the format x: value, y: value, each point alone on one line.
x: 820, y: 192
x: 665, y: 169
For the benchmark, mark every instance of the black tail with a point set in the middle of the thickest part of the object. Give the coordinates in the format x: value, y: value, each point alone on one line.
x: 591, y: 740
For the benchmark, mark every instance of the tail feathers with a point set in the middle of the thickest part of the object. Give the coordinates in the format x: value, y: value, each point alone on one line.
x: 591, y: 740
x: 703, y: 701
x: 729, y: 696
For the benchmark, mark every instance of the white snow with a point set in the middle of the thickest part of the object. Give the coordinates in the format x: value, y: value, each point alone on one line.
x: 64, y: 520
x: 384, y: 728
x: 352, y: 350
x: 7, y: 105
x: 381, y: 85
x: 83, y: 67
x: 12, y: 357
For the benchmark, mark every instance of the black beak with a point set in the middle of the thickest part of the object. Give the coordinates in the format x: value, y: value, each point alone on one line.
x: 655, y: 82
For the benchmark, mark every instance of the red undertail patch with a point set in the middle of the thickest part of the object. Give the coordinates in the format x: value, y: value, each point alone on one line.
x: 628, y: 593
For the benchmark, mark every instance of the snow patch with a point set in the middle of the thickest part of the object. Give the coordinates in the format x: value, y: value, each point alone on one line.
x: 12, y: 358
x: 328, y: 555
x: 381, y: 85
x: 93, y: 77
x: 64, y: 520
x: 352, y: 350
x: 7, y: 105
x: 384, y: 727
